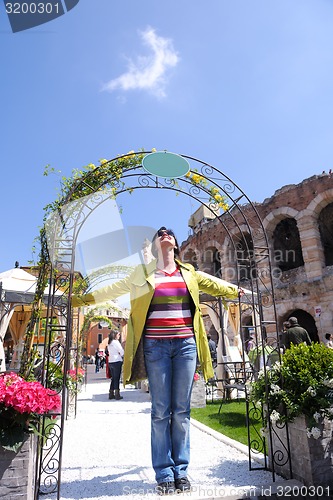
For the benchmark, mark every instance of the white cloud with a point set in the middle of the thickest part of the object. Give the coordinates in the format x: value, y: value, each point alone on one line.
x: 148, y: 72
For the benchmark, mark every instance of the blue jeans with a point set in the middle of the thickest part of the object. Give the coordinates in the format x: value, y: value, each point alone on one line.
x: 170, y: 367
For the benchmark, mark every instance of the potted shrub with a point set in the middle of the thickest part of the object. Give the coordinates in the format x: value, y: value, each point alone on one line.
x: 21, y: 405
x: 299, y: 391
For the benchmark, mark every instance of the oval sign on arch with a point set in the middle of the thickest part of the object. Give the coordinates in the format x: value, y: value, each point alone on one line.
x: 165, y: 164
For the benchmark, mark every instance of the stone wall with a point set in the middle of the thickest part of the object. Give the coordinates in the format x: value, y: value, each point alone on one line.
x: 301, y: 289
x: 311, y: 459
x: 17, y: 472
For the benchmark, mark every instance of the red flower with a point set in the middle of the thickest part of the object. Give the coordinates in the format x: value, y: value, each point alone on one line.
x: 21, y: 405
x: 27, y: 397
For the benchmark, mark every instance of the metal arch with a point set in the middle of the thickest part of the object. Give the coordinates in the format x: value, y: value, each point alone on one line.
x: 64, y: 226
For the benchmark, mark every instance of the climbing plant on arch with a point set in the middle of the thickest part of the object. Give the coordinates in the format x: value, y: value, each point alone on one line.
x: 87, y: 189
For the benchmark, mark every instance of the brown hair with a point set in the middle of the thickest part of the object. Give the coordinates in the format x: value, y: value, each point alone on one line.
x: 112, y: 335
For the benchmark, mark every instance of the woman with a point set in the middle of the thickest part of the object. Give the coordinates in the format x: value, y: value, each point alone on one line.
x: 115, y: 355
x: 166, y: 332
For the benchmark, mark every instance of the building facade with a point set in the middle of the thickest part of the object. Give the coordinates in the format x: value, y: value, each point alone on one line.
x: 298, y: 221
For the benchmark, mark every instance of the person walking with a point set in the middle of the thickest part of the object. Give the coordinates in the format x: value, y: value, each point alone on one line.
x: 165, y: 338
x: 97, y: 361
x: 295, y: 334
x: 115, y: 360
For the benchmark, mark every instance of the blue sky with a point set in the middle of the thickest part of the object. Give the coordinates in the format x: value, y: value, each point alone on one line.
x: 245, y: 85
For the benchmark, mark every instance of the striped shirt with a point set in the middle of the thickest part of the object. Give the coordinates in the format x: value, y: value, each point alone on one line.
x: 169, y: 315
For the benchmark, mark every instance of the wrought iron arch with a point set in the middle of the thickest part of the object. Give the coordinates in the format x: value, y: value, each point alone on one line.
x: 205, y: 184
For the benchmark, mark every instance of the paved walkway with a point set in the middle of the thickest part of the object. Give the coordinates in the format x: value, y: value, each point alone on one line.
x: 106, y: 453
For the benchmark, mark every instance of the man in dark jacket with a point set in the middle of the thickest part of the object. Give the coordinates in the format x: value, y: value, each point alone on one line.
x: 295, y: 334
x: 212, y: 348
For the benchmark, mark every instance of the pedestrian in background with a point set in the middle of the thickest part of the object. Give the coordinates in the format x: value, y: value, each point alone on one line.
x: 282, y: 336
x: 115, y: 358
x: 212, y: 348
x: 328, y: 341
x: 295, y: 334
x: 97, y: 361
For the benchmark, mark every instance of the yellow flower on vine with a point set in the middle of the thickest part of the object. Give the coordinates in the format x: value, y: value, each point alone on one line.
x: 103, y: 161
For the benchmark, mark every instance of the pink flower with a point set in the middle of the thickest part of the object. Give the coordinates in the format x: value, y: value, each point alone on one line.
x: 27, y: 397
x: 76, y: 375
x: 196, y: 376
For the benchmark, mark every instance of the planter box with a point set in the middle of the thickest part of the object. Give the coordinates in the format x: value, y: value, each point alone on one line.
x: 198, y: 398
x: 17, y: 471
x: 311, y: 459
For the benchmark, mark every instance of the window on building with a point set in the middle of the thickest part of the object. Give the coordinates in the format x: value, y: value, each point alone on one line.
x: 245, y: 257
x: 212, y: 262
x: 325, y: 222
x: 287, y: 245
x: 100, y: 338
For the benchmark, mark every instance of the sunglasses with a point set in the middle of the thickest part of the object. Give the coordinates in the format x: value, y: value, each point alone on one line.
x: 160, y: 232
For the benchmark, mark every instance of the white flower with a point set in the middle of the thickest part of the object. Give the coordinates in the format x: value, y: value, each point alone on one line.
x: 316, y: 416
x: 275, y: 416
x: 264, y: 432
x: 330, y: 411
x: 311, y: 391
x: 314, y: 432
x: 328, y: 382
x: 275, y: 389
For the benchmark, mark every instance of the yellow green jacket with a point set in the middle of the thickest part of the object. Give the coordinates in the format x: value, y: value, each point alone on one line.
x: 140, y: 284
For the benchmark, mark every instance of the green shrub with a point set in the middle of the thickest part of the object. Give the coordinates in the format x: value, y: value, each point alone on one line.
x: 301, y: 385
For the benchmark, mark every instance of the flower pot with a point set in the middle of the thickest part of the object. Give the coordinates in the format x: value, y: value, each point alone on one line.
x: 198, y: 397
x: 17, y: 471
x: 311, y: 459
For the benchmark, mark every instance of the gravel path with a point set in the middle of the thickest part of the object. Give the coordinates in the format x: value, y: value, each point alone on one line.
x: 106, y: 452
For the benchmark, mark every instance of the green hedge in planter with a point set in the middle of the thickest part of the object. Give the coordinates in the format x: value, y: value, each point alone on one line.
x: 301, y: 385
